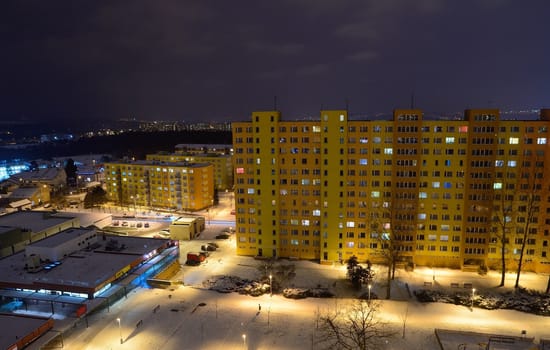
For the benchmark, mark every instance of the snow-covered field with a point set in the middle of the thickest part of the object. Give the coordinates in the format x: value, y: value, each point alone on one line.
x: 233, y: 321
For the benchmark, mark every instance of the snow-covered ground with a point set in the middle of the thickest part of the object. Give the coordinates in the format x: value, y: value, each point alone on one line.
x: 179, y: 323
x: 233, y: 321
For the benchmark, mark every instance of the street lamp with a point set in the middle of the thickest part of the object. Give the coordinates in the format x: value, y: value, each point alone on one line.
x: 244, y: 340
x: 473, y: 295
x: 119, y: 329
x: 270, y: 285
x: 369, y: 291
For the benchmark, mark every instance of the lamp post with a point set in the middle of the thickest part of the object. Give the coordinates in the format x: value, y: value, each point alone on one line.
x: 119, y: 329
x: 270, y: 285
x: 473, y: 295
x: 369, y: 291
x: 244, y: 340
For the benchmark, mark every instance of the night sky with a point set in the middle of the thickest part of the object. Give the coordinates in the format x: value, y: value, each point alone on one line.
x: 222, y: 59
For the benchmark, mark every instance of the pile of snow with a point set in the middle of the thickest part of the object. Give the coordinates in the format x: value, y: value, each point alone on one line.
x: 301, y: 293
x: 524, y: 300
x: 228, y: 284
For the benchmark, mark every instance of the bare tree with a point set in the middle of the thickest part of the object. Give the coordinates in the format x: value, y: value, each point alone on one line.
x: 503, y: 223
x: 530, y: 206
x: 354, y: 328
x: 281, y: 274
x: 390, y: 242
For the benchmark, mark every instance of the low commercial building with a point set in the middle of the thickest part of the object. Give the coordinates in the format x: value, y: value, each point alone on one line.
x: 24, y: 227
x: 82, y: 263
x: 186, y: 228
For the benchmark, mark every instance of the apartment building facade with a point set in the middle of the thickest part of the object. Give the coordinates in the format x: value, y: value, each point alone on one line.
x: 442, y: 191
x: 154, y: 184
x: 222, y: 163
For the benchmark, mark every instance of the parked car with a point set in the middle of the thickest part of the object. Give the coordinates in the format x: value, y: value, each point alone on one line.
x: 125, y: 223
x: 146, y: 225
x: 139, y: 225
x: 192, y: 263
x: 208, y: 247
x: 196, y: 257
x: 222, y: 236
x: 116, y: 223
x: 214, y: 244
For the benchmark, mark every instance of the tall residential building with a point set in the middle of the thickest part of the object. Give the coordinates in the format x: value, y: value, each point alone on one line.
x: 181, y: 186
x: 223, y: 164
x: 441, y: 191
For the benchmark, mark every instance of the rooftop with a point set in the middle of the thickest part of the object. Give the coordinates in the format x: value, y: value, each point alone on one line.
x: 83, y: 268
x: 36, y: 221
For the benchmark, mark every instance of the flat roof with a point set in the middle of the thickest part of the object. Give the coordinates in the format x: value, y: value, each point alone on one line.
x: 18, y: 327
x: 46, y: 174
x: 36, y: 221
x: 87, y: 219
x: 184, y: 220
x: 24, y: 192
x: 6, y: 229
x: 165, y: 164
x: 82, y: 269
x: 61, y: 237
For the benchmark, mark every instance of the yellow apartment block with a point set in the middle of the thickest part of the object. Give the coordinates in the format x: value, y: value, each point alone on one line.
x: 180, y: 186
x: 445, y: 193
x: 223, y: 165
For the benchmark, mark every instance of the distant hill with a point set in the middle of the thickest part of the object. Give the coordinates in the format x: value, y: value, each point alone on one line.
x: 131, y: 144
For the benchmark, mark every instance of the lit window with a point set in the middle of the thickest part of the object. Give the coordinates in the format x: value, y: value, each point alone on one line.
x: 388, y: 150
x: 350, y: 244
x: 375, y: 194
x: 350, y: 224
x: 435, y: 184
x: 513, y: 140
x: 250, y: 191
x: 497, y: 186
x: 422, y: 216
x: 449, y: 140
x: 541, y: 141
x: 512, y: 163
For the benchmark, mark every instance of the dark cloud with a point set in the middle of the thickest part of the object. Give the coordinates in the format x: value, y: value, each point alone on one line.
x: 198, y: 60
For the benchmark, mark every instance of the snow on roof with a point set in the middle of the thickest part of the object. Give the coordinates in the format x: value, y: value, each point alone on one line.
x: 20, y: 203
x: 24, y: 192
x: 17, y: 327
x: 85, y: 269
x: 36, y: 221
